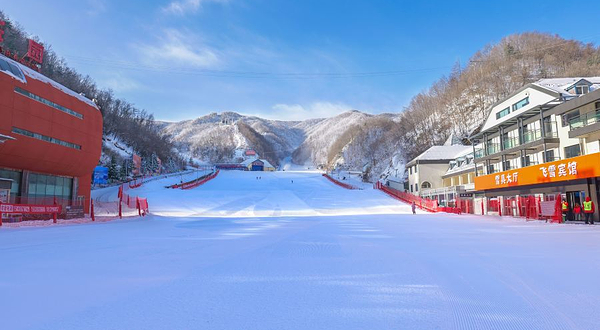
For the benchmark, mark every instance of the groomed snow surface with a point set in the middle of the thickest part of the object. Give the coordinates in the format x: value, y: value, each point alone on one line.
x: 247, y: 253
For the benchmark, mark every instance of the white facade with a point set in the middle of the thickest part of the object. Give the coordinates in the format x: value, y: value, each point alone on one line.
x: 426, y: 170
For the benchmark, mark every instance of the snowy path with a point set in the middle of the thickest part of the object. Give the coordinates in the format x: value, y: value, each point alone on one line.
x: 183, y: 270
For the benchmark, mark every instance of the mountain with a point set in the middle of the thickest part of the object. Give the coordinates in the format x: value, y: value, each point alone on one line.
x: 215, y: 137
x: 353, y: 140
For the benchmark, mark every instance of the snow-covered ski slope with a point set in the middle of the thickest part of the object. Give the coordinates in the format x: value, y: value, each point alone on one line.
x: 326, y: 269
x: 275, y: 194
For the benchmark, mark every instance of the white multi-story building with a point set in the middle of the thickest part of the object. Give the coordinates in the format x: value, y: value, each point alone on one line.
x: 426, y: 171
x: 521, y: 148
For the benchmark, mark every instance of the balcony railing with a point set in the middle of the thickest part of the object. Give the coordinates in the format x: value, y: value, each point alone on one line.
x: 492, y: 148
x: 510, y: 142
x: 585, y: 119
x: 479, y: 153
x: 536, y: 134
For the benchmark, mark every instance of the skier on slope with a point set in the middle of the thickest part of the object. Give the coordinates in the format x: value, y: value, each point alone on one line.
x: 413, y: 206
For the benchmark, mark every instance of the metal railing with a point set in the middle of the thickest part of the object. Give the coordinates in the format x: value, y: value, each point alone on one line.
x: 585, y: 119
x: 492, y: 148
x: 510, y: 142
x: 531, y: 135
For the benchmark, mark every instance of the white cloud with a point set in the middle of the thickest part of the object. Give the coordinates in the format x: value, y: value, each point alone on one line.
x: 96, y: 7
x: 313, y: 110
x: 175, y: 47
x: 120, y: 83
x: 182, y: 7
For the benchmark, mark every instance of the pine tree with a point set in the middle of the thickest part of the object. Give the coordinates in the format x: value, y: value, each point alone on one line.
x: 113, y: 171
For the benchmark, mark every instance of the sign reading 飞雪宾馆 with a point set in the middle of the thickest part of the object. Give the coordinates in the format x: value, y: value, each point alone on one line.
x: 587, y: 166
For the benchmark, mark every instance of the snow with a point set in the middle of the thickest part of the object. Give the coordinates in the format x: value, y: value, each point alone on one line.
x: 561, y: 85
x: 443, y: 152
x: 115, y: 144
x: 243, y: 253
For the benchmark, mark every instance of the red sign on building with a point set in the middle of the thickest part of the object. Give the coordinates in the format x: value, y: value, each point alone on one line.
x: 35, y: 51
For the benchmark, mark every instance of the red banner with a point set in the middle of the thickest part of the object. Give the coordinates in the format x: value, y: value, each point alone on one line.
x: 30, y: 209
x: 35, y: 52
x: 137, y: 164
x: 2, y: 24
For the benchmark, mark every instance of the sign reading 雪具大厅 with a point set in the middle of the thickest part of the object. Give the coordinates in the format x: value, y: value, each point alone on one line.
x: 580, y: 167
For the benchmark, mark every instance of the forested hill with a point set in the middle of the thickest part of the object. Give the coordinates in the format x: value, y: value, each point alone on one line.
x: 122, y: 120
x: 458, y: 103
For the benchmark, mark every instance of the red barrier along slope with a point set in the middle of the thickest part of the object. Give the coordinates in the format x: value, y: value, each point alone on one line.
x: 341, y: 184
x: 422, y: 203
x: 195, y: 183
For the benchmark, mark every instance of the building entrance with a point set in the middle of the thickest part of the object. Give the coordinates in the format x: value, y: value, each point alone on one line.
x: 574, y: 198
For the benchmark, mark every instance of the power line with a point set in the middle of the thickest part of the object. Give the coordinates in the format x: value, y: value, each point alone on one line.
x: 244, y: 74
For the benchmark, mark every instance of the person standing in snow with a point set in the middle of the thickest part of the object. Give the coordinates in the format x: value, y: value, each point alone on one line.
x: 588, y: 210
x: 413, y: 206
x: 577, y: 212
x: 565, y: 209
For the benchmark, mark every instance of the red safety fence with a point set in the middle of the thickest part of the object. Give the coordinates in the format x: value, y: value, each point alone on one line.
x: 422, y: 203
x: 341, y: 184
x: 126, y: 205
x: 465, y: 206
x: 448, y: 209
x: 54, y: 210
x: 70, y: 208
x: 196, y: 182
x: 136, y: 183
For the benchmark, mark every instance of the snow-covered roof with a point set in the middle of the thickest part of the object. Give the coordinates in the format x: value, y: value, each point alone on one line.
x: 443, y: 153
x: 267, y: 164
x: 562, y: 85
x: 30, y: 73
x: 249, y: 161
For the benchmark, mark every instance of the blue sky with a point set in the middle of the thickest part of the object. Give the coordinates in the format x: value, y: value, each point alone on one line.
x: 282, y: 59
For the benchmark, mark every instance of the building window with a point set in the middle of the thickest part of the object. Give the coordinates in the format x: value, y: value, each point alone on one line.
x: 410, y: 170
x: 48, y: 102
x: 15, y: 176
x: 45, y: 138
x: 502, y: 113
x: 572, y: 151
x: 411, y: 188
x: 43, y: 186
x: 416, y: 187
x: 582, y: 89
x: 415, y: 169
x: 11, y: 68
x: 520, y: 104
x: 567, y: 117
x: 425, y: 185
x: 550, y: 156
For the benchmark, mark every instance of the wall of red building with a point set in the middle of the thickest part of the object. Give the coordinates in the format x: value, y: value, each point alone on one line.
x: 35, y: 155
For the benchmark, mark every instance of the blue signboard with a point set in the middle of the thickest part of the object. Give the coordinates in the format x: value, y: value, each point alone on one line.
x: 100, y: 175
